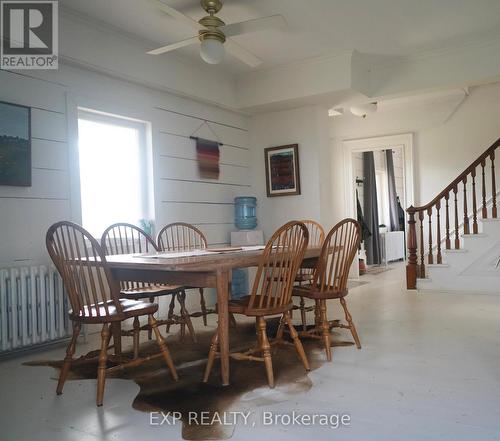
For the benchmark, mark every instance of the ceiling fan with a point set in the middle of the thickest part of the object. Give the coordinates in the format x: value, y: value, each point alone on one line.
x: 213, y: 33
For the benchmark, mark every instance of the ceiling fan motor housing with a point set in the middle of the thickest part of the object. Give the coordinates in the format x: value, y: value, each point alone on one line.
x: 211, y: 6
x: 211, y: 23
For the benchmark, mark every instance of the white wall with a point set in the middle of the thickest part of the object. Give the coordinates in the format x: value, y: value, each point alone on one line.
x: 449, y: 133
x: 306, y: 127
x: 180, y: 195
x: 26, y: 212
x: 448, y: 136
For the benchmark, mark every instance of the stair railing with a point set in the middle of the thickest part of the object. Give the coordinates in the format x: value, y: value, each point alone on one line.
x: 447, y: 208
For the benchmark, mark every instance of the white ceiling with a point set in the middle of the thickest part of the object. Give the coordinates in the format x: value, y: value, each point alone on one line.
x: 315, y: 27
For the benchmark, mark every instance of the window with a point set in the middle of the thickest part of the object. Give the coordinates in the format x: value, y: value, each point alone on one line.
x: 113, y: 171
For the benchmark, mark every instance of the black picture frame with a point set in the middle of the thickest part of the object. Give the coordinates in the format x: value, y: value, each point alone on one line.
x: 287, y: 181
x: 15, y: 145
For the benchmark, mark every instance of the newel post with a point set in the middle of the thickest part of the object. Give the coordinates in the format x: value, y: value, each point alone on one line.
x: 411, y: 267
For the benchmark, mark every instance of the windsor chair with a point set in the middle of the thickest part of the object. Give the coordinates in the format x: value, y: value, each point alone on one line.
x: 124, y: 238
x: 271, y: 295
x: 305, y: 275
x: 180, y: 236
x: 330, y: 281
x: 94, y: 297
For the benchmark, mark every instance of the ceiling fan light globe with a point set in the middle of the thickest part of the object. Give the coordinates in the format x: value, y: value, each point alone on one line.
x: 212, y: 51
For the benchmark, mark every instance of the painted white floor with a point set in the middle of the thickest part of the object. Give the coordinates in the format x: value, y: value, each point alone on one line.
x: 428, y: 370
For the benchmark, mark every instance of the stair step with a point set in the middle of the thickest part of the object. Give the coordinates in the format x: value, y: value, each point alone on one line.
x: 438, y: 265
x: 454, y: 251
x: 475, y: 236
x: 491, y: 219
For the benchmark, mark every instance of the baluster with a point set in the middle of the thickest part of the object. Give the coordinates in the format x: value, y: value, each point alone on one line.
x: 466, y: 215
x: 411, y: 267
x: 422, y: 258
x: 430, y: 257
x: 483, y: 190
x: 493, y: 187
x: 439, y: 258
x: 457, y: 238
x: 448, y: 241
x: 474, y: 203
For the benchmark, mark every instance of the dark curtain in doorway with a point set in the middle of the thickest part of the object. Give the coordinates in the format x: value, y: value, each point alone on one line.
x: 393, y: 197
x: 372, y: 243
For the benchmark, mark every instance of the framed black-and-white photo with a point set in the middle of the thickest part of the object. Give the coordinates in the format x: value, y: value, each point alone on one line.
x: 15, y: 145
x: 282, y: 170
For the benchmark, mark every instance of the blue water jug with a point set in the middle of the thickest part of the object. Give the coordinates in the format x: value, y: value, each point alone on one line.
x: 245, y: 212
x: 239, y: 283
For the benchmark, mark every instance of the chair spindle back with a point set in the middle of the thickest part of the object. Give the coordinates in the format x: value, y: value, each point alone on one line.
x: 82, y: 265
x: 181, y: 236
x: 278, y: 267
x: 316, y: 238
x: 316, y: 233
x: 337, y: 254
x: 123, y: 238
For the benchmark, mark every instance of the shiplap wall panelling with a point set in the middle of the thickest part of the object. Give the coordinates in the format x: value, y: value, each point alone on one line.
x: 180, y: 146
x: 196, y: 213
x: 187, y: 170
x: 181, y: 194
x: 197, y: 191
x: 27, y: 212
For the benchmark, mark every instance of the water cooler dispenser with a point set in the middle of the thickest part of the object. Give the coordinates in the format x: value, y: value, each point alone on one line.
x: 245, y: 219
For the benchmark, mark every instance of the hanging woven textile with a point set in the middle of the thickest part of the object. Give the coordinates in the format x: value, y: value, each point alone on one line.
x: 208, y: 156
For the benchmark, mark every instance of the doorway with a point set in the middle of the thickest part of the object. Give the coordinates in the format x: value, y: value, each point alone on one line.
x: 379, y: 188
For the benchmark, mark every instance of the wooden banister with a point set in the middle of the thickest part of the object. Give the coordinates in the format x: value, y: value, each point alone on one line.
x: 464, y: 183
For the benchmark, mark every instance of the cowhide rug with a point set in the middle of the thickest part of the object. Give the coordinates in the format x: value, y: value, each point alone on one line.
x: 248, y: 390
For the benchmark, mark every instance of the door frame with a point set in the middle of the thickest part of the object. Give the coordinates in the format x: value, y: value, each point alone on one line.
x: 350, y: 146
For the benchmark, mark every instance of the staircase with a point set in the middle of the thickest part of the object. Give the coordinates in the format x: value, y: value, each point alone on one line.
x: 454, y: 241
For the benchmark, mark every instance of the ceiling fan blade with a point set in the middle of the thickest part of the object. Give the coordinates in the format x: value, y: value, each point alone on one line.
x: 237, y: 51
x: 257, y: 24
x: 172, y: 47
x: 174, y: 13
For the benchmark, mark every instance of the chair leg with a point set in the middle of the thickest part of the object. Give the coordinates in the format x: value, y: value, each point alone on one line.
x: 266, y: 350
x: 281, y: 328
x: 163, y: 346
x: 303, y: 313
x: 203, y: 306
x: 232, y: 320
x: 150, y: 331
x: 170, y: 311
x: 137, y: 330
x: 317, y: 315
x: 116, y: 333
x: 325, y: 329
x: 348, y: 317
x: 296, y: 341
x: 101, y: 367
x: 69, y: 357
x: 186, y: 318
x: 211, y: 355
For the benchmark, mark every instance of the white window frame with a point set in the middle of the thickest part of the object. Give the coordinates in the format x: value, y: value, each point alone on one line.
x: 145, y: 164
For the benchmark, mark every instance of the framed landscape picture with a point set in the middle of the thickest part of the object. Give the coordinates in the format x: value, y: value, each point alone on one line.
x: 282, y: 170
x: 15, y: 145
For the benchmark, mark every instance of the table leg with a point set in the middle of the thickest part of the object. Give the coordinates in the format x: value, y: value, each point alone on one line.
x: 222, y: 310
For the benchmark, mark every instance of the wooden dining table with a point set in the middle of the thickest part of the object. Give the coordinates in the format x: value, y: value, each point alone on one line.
x: 204, y: 271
